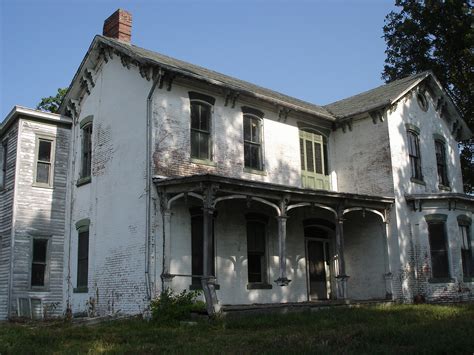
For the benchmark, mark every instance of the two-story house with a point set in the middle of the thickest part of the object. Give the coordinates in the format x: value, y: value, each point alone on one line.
x: 34, y: 152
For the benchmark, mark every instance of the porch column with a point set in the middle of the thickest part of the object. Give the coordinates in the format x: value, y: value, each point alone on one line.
x: 388, y: 272
x: 208, y: 280
x: 341, y: 278
x: 165, y: 275
x: 282, y: 280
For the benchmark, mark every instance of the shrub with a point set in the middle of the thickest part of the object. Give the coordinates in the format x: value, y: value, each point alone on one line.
x: 172, y: 307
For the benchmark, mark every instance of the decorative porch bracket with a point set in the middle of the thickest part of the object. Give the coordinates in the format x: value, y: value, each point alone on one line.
x: 341, y: 278
x: 282, y: 280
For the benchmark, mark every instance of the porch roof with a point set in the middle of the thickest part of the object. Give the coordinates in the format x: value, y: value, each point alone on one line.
x: 292, y: 195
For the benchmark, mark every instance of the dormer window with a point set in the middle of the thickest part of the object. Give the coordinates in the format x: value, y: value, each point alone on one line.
x: 201, y: 128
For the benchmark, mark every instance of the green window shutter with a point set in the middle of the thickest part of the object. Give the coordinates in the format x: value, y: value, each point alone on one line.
x: 313, y: 161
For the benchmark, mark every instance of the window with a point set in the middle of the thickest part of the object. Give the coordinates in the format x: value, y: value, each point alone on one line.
x: 201, y: 139
x: 197, y: 247
x: 256, y: 249
x: 314, y: 162
x: 415, y: 156
x: 86, y: 150
x: 441, y: 163
x: 44, y: 165
x: 3, y: 163
x: 39, y: 262
x: 467, y: 254
x: 82, y: 228
x: 253, y: 152
x: 438, y: 246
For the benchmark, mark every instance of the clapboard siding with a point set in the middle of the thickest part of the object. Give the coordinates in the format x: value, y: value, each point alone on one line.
x: 40, y: 212
x: 6, y: 212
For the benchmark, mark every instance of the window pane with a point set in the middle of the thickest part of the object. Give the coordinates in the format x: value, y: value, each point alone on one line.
x: 439, y: 255
x: 318, y: 158
x: 39, y: 250
x: 247, y: 133
x: 256, y: 251
x: 195, y: 116
x: 83, y: 259
x: 203, y: 146
x: 255, y: 130
x: 42, y: 173
x: 436, y: 232
x: 302, y: 153
x: 309, y: 156
x: 205, y: 117
x: 86, y: 151
x: 44, y: 151
x: 37, y: 274
x: 325, y: 156
x: 255, y: 157
x: 255, y: 268
x: 194, y: 144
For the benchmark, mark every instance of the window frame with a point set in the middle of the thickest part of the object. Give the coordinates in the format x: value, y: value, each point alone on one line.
x: 441, y: 161
x: 440, y: 220
x: 4, y: 167
x: 264, y: 283
x: 258, y: 145
x: 466, y: 222
x: 52, y: 140
x: 416, y: 168
x: 82, y: 226
x: 200, y: 132
x: 85, y: 169
x: 47, y: 263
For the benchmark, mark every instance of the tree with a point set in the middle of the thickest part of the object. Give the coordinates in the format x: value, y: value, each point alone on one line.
x: 52, y: 103
x: 436, y: 35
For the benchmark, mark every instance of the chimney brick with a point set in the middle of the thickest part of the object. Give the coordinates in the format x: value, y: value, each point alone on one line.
x: 119, y: 26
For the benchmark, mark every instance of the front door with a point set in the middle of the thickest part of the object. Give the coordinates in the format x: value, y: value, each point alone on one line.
x: 318, y: 269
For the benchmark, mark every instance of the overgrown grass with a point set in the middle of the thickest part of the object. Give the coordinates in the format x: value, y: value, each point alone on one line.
x: 395, y: 329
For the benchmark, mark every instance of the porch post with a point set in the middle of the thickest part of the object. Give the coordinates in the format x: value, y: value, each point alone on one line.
x: 208, y: 280
x: 282, y: 280
x: 388, y: 272
x: 166, y: 276
x: 341, y: 277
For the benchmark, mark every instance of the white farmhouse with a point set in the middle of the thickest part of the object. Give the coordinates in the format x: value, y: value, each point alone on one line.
x: 188, y: 179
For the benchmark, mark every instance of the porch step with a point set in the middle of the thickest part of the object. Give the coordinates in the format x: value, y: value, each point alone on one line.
x: 267, y: 308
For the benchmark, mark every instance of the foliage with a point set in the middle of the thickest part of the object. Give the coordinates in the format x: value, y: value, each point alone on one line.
x: 395, y: 329
x: 436, y: 35
x: 52, y: 103
x: 171, y: 307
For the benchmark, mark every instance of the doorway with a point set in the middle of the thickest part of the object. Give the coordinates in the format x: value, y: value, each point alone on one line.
x: 319, y: 269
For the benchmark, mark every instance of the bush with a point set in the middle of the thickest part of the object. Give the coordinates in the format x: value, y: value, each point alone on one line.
x: 171, y: 307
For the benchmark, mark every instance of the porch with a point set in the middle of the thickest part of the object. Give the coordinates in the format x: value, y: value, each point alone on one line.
x: 247, y: 242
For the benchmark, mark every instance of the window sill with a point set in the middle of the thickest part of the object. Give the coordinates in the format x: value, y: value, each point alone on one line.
x: 39, y: 289
x: 418, y: 181
x: 255, y: 171
x: 444, y: 187
x: 203, y: 162
x: 259, y: 286
x: 43, y: 186
x: 441, y: 280
x: 468, y: 279
x: 80, y: 290
x: 199, y: 287
x: 83, y: 181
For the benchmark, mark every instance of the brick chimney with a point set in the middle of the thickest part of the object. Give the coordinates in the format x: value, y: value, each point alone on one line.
x: 119, y: 26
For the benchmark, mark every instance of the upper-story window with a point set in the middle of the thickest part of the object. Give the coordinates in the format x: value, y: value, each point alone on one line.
x: 201, y: 126
x: 414, y: 154
x: 441, y: 163
x: 314, y: 160
x: 86, y: 149
x: 253, y: 138
x: 44, y: 162
x: 3, y: 163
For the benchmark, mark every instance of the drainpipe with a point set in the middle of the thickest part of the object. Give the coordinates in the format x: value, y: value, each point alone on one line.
x: 149, y: 114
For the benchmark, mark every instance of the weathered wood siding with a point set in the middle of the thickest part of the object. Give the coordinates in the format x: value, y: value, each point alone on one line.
x: 40, y: 212
x: 6, y: 211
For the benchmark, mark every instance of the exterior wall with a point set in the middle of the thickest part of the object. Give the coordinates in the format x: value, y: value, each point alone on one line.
x: 114, y: 200
x: 6, y: 220
x: 40, y: 212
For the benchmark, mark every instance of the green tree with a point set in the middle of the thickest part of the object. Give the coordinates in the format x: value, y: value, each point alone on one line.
x: 436, y: 35
x: 52, y: 103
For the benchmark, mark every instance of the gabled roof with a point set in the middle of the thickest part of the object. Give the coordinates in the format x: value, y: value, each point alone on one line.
x: 379, y: 97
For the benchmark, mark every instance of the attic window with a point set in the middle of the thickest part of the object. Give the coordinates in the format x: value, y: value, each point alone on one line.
x: 422, y: 102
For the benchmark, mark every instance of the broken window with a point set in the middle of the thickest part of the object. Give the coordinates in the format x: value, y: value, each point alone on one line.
x: 3, y: 163
x: 83, y: 259
x: 201, y: 138
x: 438, y: 250
x: 415, y: 155
x: 44, y: 159
x: 256, y: 249
x: 86, y: 150
x: 467, y: 254
x: 197, y: 247
x: 441, y: 163
x: 39, y: 262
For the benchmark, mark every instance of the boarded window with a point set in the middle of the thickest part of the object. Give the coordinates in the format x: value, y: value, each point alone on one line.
x: 253, y: 142
x: 256, y: 251
x: 39, y: 262
x: 86, y: 151
x: 201, y: 131
x: 3, y: 163
x: 197, y: 247
x: 44, y: 161
x: 441, y: 163
x: 83, y: 259
x: 414, y: 154
x: 438, y: 250
x: 467, y: 254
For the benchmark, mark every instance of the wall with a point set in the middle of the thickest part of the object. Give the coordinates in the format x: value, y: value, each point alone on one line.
x: 6, y: 214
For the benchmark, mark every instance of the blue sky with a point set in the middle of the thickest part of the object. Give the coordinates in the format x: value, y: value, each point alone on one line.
x: 318, y: 51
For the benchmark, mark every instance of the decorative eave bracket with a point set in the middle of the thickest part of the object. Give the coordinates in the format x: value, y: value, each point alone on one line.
x: 283, y: 113
x: 377, y: 116
x: 231, y: 96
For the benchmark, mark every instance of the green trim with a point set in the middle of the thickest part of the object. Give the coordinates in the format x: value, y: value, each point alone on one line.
x: 464, y: 220
x: 412, y: 127
x: 255, y: 171
x: 83, y: 224
x: 439, y: 137
x: 418, y: 181
x: 203, y: 162
x: 259, y: 286
x: 436, y: 218
x: 85, y: 121
x: 80, y: 290
x: 441, y: 280
x: 83, y: 181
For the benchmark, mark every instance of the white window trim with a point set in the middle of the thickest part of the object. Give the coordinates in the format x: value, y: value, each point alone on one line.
x: 46, y: 286
x: 52, y: 139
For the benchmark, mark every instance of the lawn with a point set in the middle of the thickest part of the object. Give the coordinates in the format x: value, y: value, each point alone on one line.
x: 395, y: 329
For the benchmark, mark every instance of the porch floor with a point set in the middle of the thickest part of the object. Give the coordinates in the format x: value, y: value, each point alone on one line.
x: 262, y: 308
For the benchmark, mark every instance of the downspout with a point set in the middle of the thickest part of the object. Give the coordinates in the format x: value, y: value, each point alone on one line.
x: 149, y: 114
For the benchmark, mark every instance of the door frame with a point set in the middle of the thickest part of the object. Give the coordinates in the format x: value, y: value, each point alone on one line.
x: 329, y: 271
